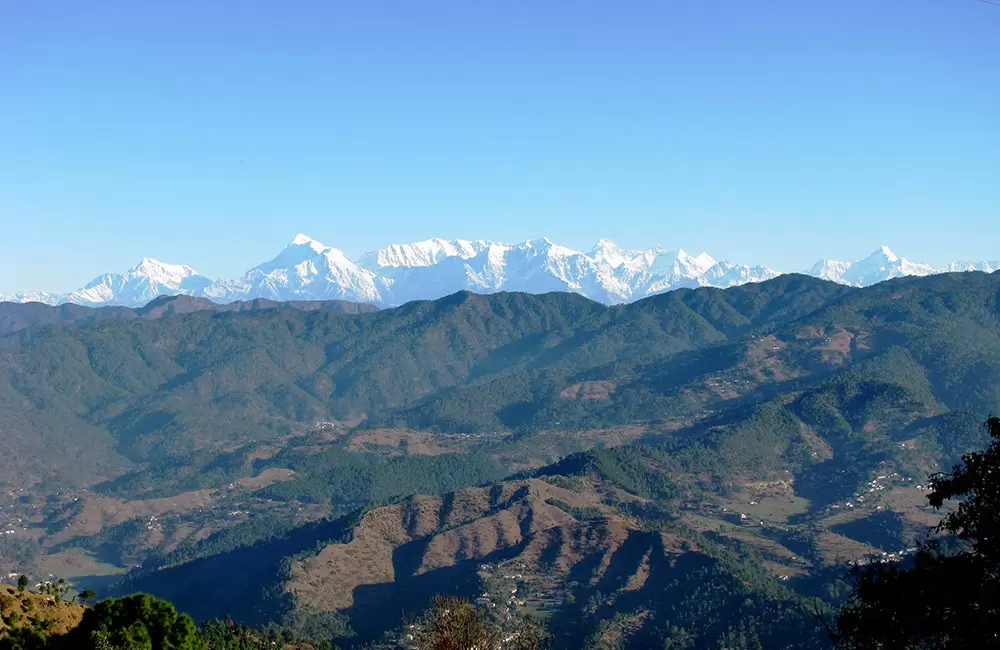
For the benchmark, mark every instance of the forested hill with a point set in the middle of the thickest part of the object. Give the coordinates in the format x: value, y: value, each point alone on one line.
x: 18, y: 316
x: 81, y: 403
x: 239, y: 453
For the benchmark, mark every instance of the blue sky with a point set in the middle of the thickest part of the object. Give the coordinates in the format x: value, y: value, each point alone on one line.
x: 776, y: 131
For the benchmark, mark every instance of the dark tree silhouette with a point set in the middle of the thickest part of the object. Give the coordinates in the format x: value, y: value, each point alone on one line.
x: 23, y: 638
x: 137, y: 622
x: 456, y: 624
x: 86, y: 595
x: 947, y: 598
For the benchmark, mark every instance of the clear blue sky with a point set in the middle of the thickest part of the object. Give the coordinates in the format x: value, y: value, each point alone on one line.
x: 773, y: 131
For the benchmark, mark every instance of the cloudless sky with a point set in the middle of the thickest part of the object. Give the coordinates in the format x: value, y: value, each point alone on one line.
x: 769, y: 131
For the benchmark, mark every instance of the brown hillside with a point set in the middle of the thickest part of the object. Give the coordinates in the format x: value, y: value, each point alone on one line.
x: 27, y: 608
x: 526, y: 524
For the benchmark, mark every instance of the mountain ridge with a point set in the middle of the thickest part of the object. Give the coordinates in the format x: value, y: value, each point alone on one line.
x: 145, y: 390
x: 18, y: 316
x: 309, y: 270
x: 262, y: 463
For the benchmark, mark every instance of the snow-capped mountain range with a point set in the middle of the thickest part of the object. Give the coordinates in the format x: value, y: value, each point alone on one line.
x: 309, y: 270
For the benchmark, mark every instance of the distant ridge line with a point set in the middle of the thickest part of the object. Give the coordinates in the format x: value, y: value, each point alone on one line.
x: 307, y: 270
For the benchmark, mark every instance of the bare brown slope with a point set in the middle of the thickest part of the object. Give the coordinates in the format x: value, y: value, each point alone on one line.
x: 27, y: 609
x: 528, y: 525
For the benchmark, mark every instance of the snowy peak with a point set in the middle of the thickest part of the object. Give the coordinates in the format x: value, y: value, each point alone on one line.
x: 697, y: 264
x: 882, y: 264
x: 831, y: 270
x: 140, y: 284
x: 727, y: 274
x: 433, y: 268
x: 546, y: 247
x: 301, y: 249
x: 43, y: 297
x: 300, y: 241
x: 607, y: 252
x: 306, y: 269
x: 424, y: 253
x: 161, y: 272
x: 679, y: 264
x: 985, y: 267
x: 886, y: 253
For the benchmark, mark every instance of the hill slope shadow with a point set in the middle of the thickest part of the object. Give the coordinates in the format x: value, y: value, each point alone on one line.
x: 243, y: 583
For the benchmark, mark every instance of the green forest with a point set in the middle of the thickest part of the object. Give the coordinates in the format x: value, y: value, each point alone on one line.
x: 740, y: 468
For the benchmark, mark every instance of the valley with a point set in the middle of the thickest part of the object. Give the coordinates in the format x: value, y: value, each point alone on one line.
x: 682, y: 466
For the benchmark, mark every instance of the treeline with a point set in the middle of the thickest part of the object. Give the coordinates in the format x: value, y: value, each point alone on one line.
x: 151, y: 391
x: 142, y: 622
x: 340, y: 477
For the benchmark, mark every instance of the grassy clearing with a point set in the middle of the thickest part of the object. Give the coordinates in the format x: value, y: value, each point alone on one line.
x: 774, y: 509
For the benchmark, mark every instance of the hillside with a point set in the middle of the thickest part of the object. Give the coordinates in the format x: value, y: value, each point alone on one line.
x: 48, y: 620
x: 17, y: 316
x: 718, y: 541
x: 29, y: 610
x: 153, y: 390
x: 577, y: 557
x: 794, y: 420
x: 144, y: 393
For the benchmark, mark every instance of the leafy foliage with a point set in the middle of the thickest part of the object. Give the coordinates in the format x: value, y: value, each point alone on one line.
x: 139, y: 622
x: 456, y: 624
x: 944, y: 600
x: 342, y: 477
x: 228, y: 635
